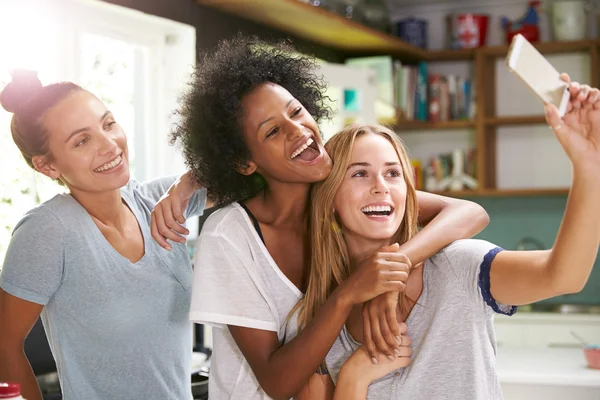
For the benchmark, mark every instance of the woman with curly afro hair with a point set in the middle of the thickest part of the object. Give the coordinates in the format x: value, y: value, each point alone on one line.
x: 249, y: 132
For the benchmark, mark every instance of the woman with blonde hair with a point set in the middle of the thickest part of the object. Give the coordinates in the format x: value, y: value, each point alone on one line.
x: 368, y: 201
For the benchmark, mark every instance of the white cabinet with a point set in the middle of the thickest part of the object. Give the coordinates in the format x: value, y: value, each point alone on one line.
x: 543, y: 330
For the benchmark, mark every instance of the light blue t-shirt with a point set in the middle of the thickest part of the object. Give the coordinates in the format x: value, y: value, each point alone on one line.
x: 117, y: 330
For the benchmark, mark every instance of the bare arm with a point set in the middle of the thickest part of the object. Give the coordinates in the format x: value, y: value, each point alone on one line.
x: 519, y: 277
x: 283, y: 370
x: 447, y: 219
x: 17, y: 317
x: 354, y: 379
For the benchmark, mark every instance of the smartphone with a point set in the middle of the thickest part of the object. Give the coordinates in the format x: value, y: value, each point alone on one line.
x: 534, y: 69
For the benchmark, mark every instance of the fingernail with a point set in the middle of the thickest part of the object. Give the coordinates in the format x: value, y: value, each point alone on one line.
x: 398, y: 339
x: 391, y: 358
x: 374, y: 360
x: 397, y: 352
x: 187, y: 232
x: 168, y: 247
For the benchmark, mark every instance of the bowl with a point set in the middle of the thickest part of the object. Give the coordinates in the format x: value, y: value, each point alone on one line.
x: 592, y: 355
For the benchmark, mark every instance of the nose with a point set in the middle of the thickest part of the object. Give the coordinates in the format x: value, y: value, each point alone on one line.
x: 294, y: 129
x: 379, y: 186
x: 108, y: 144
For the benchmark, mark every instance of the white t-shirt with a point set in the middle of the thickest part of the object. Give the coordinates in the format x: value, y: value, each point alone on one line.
x: 236, y: 282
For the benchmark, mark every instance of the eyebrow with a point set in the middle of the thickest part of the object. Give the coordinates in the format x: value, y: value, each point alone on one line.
x: 77, y: 131
x: 366, y: 164
x: 270, y: 118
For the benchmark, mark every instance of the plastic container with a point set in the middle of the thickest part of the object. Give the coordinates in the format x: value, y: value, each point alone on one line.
x: 10, y: 391
x: 592, y: 355
x: 412, y: 31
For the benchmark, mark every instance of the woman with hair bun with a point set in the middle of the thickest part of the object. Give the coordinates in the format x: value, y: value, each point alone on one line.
x: 113, y: 302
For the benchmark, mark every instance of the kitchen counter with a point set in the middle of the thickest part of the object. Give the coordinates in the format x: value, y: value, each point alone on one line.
x: 546, y: 373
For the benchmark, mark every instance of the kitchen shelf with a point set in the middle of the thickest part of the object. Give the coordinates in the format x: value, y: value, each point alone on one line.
x: 545, y: 48
x: 515, y: 120
x: 450, y: 55
x: 318, y: 25
x: 429, y: 126
x: 506, y: 192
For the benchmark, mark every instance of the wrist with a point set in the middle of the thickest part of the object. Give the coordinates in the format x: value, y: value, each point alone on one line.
x: 189, y: 185
x: 352, y: 376
x: 342, y: 298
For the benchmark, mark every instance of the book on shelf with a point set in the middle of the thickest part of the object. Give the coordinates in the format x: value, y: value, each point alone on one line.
x: 454, y: 171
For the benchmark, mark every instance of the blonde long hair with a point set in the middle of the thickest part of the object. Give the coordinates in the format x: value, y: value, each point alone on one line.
x: 330, y: 264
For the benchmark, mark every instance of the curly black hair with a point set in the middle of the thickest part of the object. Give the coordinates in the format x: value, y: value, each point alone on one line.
x: 210, y: 130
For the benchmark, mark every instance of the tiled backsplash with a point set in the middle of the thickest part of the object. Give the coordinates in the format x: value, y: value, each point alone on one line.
x: 513, y: 218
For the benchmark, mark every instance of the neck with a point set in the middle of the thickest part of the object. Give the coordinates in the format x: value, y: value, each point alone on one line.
x: 286, y: 204
x: 360, y: 248
x: 105, y: 207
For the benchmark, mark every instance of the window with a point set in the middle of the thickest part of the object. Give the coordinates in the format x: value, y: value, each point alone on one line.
x: 135, y: 63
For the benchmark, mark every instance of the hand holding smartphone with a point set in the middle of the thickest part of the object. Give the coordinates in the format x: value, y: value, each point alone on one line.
x: 526, y: 62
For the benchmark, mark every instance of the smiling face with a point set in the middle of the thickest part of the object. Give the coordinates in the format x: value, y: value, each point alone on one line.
x: 88, y: 149
x: 371, y: 200
x: 283, y: 138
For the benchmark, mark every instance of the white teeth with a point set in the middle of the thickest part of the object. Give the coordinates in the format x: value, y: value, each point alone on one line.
x: 376, y: 209
x: 109, y: 165
x: 302, y: 148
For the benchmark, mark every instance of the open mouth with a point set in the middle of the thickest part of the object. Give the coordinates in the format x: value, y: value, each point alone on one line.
x: 309, y: 151
x: 378, y: 211
x: 110, y: 165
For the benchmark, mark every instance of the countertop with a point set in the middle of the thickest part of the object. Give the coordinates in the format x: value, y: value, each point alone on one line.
x: 545, y: 366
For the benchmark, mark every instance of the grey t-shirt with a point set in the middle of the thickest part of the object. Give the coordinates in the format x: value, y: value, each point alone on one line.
x: 452, y: 332
x: 117, y: 330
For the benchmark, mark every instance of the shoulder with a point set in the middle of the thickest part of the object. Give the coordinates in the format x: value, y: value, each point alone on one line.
x: 48, y: 217
x: 465, y: 249
x: 230, y: 221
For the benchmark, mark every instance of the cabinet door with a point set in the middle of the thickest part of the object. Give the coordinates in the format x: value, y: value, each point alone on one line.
x: 352, y: 96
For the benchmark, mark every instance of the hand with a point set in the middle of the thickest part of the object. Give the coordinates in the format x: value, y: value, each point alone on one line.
x: 360, y: 366
x: 167, y: 216
x: 579, y: 130
x: 384, y: 271
x: 381, y: 330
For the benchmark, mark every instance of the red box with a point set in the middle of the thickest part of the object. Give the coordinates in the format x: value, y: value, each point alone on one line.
x: 471, y: 30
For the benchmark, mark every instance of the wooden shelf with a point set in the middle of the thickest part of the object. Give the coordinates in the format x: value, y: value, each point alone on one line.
x: 516, y: 120
x: 429, y: 126
x: 450, y: 55
x: 506, y: 193
x: 319, y: 26
x: 546, y: 48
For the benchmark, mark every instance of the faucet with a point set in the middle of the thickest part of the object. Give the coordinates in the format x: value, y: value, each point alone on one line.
x: 530, y: 240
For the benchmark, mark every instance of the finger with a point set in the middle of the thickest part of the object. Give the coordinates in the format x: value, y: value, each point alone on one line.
x: 388, y: 336
x: 391, y: 248
x: 556, y: 123
x: 583, y: 93
x: 395, y: 256
x: 380, y: 342
x: 173, y: 225
x: 163, y: 229
x: 406, y: 341
x: 565, y: 77
x: 392, y: 322
x: 394, y: 266
x: 593, y: 97
x: 395, y: 276
x: 157, y: 236
x: 367, y: 339
x: 178, y: 213
x: 394, y: 286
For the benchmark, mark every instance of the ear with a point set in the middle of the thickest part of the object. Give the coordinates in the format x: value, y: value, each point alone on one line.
x: 44, y: 166
x: 247, y: 168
